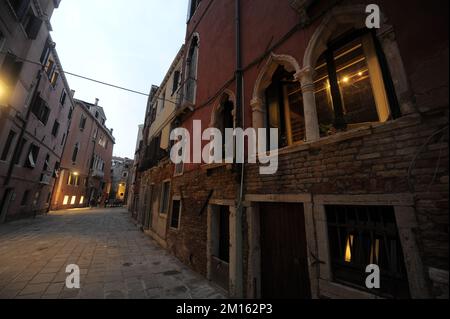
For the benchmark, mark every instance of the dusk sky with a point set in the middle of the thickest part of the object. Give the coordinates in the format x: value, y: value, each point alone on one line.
x: 126, y: 43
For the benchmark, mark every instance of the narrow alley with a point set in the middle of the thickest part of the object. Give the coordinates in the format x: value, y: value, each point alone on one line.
x: 116, y: 260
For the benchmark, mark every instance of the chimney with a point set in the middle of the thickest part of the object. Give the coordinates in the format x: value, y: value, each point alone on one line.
x: 96, y: 101
x: 72, y: 93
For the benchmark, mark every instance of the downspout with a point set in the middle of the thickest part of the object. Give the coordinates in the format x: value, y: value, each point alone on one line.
x: 239, y: 123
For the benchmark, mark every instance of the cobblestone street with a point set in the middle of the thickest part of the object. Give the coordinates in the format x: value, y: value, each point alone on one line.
x: 115, y: 258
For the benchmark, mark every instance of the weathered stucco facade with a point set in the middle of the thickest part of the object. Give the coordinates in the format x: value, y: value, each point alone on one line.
x: 35, y: 108
x: 85, y: 174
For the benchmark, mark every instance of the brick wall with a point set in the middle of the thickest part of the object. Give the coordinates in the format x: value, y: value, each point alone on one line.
x: 376, y: 160
x: 189, y: 242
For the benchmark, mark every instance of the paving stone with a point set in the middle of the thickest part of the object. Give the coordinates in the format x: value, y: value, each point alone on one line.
x: 116, y: 260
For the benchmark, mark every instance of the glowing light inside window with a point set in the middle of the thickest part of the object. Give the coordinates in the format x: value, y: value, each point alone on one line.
x: 82, y: 200
x: 66, y: 200
x: 375, y: 252
x: 73, y: 201
x: 348, y: 249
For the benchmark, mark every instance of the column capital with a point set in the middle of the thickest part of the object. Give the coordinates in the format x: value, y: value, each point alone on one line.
x: 257, y: 105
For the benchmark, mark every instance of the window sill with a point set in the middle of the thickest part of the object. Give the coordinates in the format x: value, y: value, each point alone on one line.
x: 359, y: 130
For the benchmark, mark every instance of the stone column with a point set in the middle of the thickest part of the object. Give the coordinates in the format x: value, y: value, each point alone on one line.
x: 305, y: 76
x: 258, y: 113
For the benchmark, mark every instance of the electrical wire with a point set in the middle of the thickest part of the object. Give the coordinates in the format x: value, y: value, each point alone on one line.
x: 83, y: 77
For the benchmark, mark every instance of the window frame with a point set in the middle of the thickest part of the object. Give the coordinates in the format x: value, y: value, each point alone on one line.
x: 8, y: 144
x: 33, y: 153
x: 387, y: 231
x: 55, y: 129
x: 164, y: 211
x: 391, y: 105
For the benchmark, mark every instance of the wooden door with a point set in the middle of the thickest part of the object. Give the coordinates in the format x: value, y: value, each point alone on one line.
x: 284, y: 266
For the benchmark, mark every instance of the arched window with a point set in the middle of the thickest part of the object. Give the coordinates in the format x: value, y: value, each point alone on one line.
x: 349, y: 84
x: 284, y: 107
x: 191, y: 68
x: 223, y: 117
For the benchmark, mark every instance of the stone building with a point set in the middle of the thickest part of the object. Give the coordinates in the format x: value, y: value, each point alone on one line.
x: 362, y: 119
x: 121, y: 176
x: 133, y: 198
x: 35, y: 108
x: 154, y: 168
x: 85, y: 173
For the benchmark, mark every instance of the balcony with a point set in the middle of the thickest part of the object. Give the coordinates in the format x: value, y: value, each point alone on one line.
x: 46, y: 178
x: 96, y: 173
x: 186, y: 96
x: 151, y: 155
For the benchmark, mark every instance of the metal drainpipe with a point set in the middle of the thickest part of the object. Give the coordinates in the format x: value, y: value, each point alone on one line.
x: 240, y: 123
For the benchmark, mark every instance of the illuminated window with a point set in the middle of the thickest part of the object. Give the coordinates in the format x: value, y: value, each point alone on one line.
x: 82, y: 200
x: 363, y: 235
x: 73, y: 201
x: 66, y: 200
x: 350, y: 86
x: 73, y: 179
x: 54, y: 79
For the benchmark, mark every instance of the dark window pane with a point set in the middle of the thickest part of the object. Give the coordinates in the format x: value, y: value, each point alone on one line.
x: 224, y: 234
x: 8, y: 144
x: 176, y: 207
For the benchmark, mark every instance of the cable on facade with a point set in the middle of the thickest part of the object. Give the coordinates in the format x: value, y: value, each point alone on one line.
x: 83, y: 77
x: 416, y: 157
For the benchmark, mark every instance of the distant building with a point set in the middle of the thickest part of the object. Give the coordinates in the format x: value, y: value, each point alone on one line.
x: 155, y: 169
x: 35, y: 108
x: 132, y: 198
x: 85, y: 175
x: 121, y: 179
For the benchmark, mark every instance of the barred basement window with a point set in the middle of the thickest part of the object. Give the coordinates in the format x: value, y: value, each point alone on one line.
x: 364, y: 235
